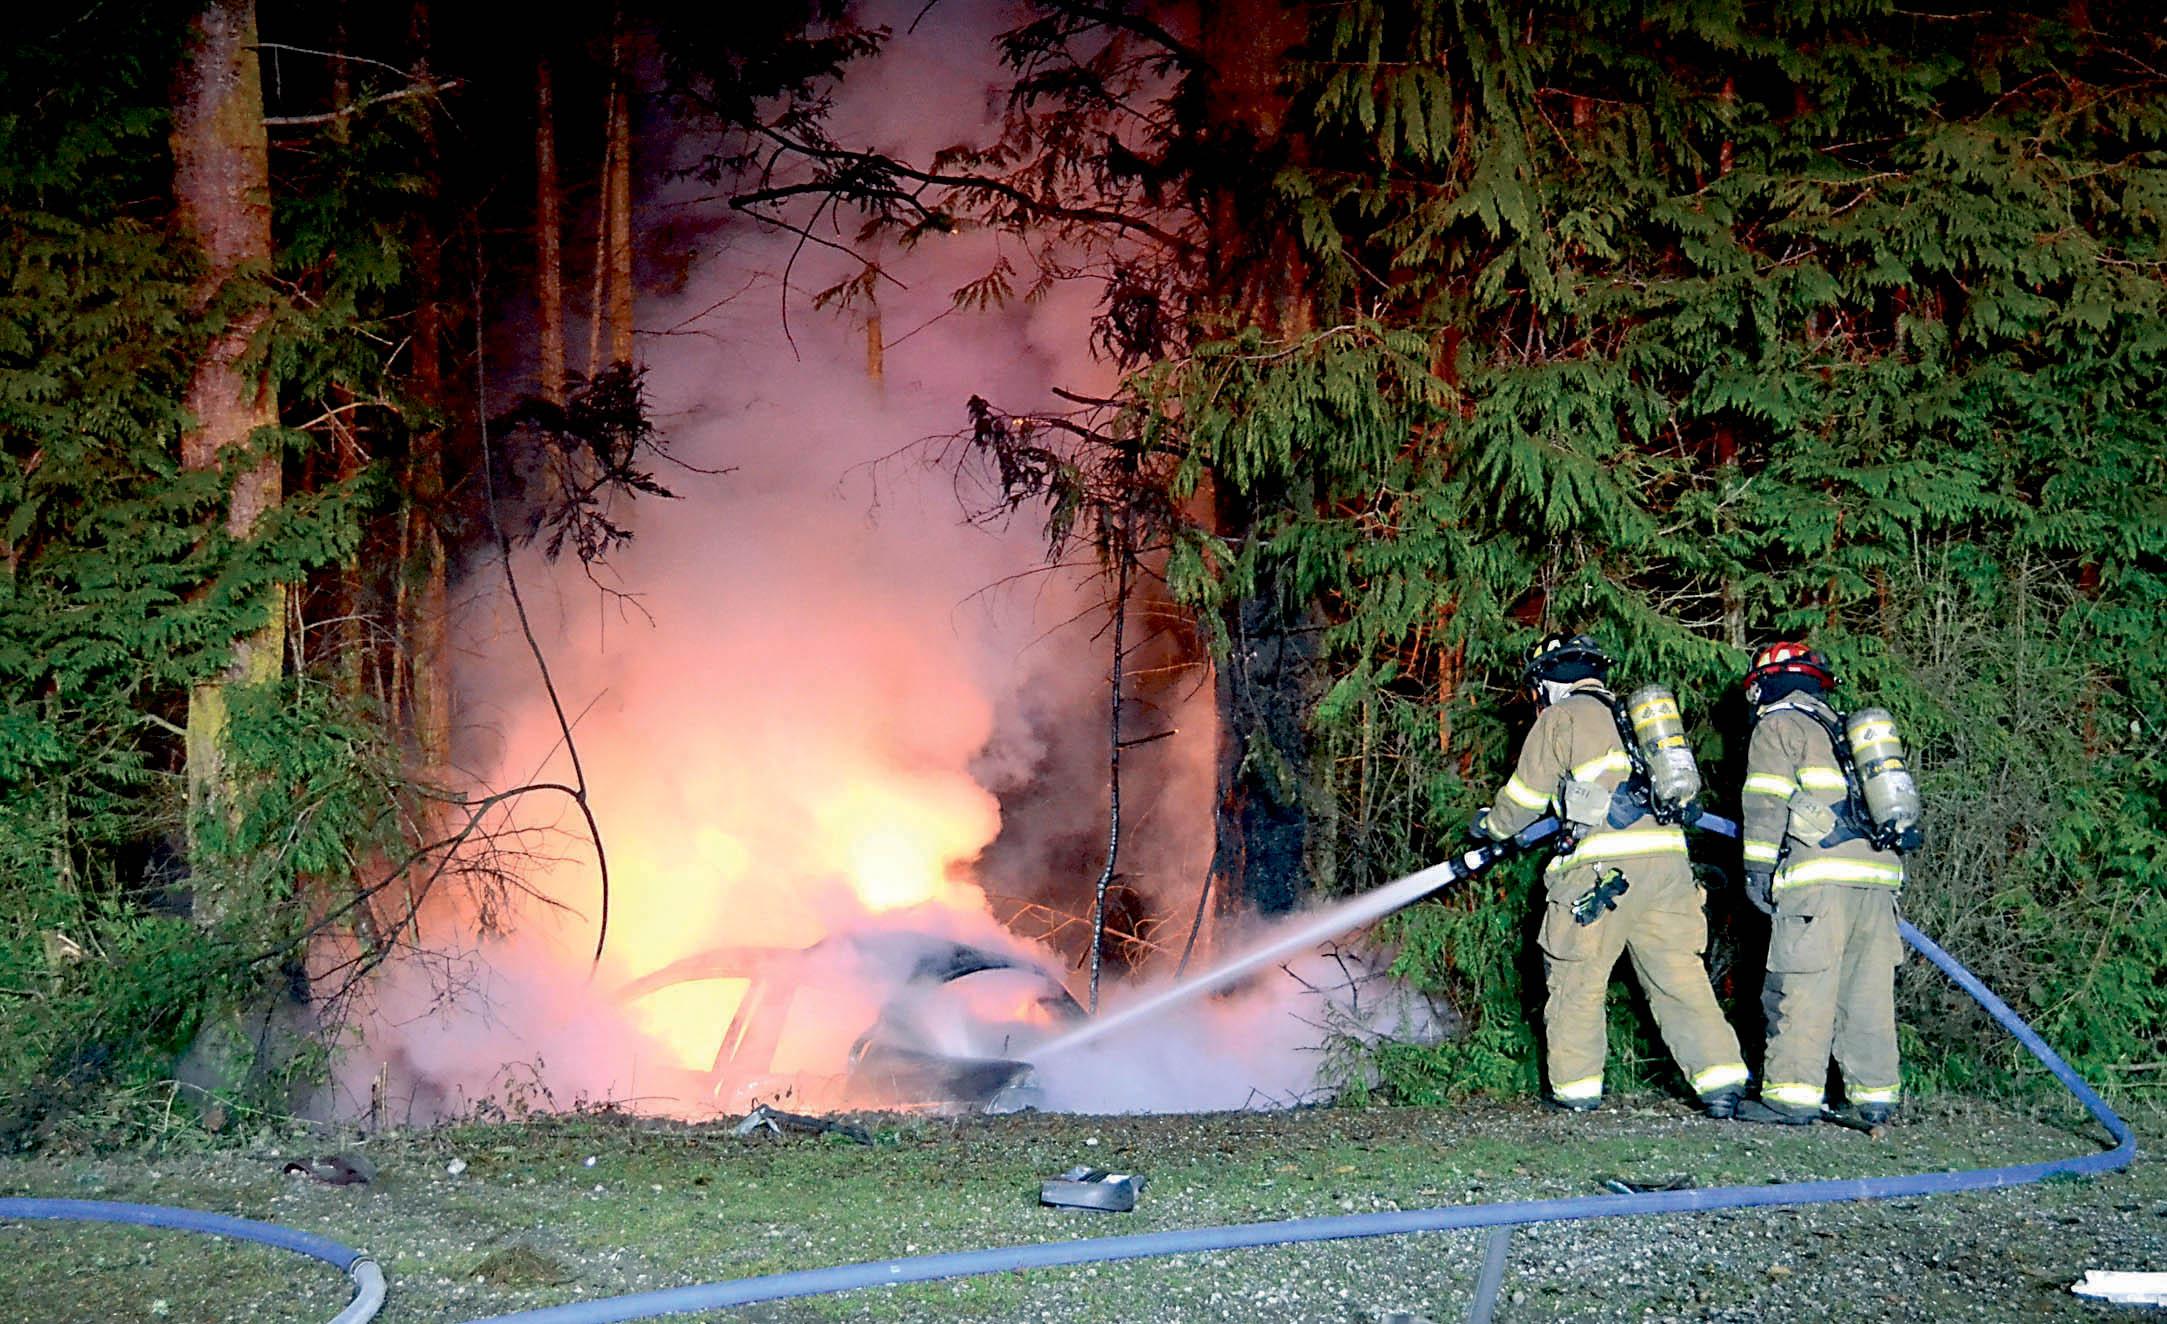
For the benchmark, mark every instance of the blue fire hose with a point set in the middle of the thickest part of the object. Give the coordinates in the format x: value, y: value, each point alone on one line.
x: 367, y: 1277
x: 1094, y: 1250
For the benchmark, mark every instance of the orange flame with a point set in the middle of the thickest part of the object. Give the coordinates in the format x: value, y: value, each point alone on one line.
x: 895, y: 842
x: 687, y: 1020
x: 890, y: 867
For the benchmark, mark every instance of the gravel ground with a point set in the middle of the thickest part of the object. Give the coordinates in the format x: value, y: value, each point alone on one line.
x: 527, y: 1220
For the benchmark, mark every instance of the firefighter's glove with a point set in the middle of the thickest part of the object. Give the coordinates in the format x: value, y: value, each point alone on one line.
x: 1600, y: 899
x: 1478, y: 831
x: 1689, y: 813
x: 1761, y: 890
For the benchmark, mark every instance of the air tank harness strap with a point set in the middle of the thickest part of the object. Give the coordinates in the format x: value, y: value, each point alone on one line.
x: 1635, y: 788
x: 1851, y: 811
x: 1624, y: 810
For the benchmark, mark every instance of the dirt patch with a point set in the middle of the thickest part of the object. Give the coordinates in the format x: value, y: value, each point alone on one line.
x: 470, y: 1222
x: 518, y: 1266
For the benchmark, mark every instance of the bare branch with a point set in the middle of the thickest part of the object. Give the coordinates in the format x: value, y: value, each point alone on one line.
x: 331, y: 415
x: 329, y: 116
x: 511, y: 582
x: 332, y: 55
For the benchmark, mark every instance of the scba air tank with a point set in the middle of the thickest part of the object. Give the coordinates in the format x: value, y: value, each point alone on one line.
x: 1885, y: 782
x: 1673, y: 778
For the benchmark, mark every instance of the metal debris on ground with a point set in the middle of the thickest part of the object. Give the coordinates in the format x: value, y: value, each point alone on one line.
x: 1092, y: 1188
x: 764, y: 1118
x: 1617, y: 1185
x: 2123, y: 1288
x: 337, y: 1169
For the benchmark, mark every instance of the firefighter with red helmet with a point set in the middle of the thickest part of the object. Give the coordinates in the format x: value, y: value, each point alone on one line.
x: 1619, y: 883
x: 1828, y: 878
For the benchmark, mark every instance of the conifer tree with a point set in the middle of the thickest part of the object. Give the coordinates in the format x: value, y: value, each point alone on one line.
x: 223, y: 207
x: 424, y: 626
x: 1690, y: 325
x: 548, y: 239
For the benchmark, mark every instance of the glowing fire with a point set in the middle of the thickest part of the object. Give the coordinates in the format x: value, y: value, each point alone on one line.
x: 786, y: 751
x: 688, y: 1019
x: 891, y: 868
x: 896, y: 838
x: 729, y: 906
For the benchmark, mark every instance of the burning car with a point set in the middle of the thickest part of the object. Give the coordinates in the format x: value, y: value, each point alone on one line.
x: 884, y: 1019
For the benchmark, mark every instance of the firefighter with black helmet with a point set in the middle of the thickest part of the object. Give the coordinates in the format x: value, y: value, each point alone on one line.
x: 1619, y: 882
x: 1822, y: 860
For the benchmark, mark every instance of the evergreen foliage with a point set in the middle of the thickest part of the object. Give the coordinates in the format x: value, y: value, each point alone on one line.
x: 1696, y: 326
x: 122, y: 588
x: 1693, y: 325
x: 1687, y: 324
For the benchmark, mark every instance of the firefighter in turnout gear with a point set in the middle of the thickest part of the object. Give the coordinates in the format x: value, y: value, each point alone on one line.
x: 1619, y: 882
x: 1813, y: 865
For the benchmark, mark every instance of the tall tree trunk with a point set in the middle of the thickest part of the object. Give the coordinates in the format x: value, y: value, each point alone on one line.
x: 548, y: 235
x: 876, y: 339
x: 1271, y: 841
x: 620, y: 198
x: 1734, y: 600
x: 426, y: 603
x: 1256, y: 265
x: 876, y: 345
x: 1115, y: 679
x: 423, y: 630
x: 349, y: 640
x: 598, y: 293
x: 1268, y: 848
x: 221, y: 186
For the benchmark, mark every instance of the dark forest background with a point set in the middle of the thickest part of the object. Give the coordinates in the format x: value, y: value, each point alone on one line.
x: 1443, y: 326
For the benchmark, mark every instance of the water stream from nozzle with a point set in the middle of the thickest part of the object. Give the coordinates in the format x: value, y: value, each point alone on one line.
x: 1312, y: 929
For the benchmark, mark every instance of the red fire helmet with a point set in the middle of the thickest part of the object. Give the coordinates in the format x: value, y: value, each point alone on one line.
x: 1788, y: 658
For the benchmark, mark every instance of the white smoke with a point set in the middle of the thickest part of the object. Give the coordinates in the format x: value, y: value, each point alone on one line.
x: 796, y: 690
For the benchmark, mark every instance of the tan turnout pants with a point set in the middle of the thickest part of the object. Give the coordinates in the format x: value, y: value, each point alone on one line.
x: 1659, y: 920
x: 1831, y: 988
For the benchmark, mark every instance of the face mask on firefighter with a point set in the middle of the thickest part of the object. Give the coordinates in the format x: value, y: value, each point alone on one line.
x: 1549, y: 693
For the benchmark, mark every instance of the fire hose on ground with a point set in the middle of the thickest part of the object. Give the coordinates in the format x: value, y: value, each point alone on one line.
x: 1096, y: 1250
x: 367, y: 1277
